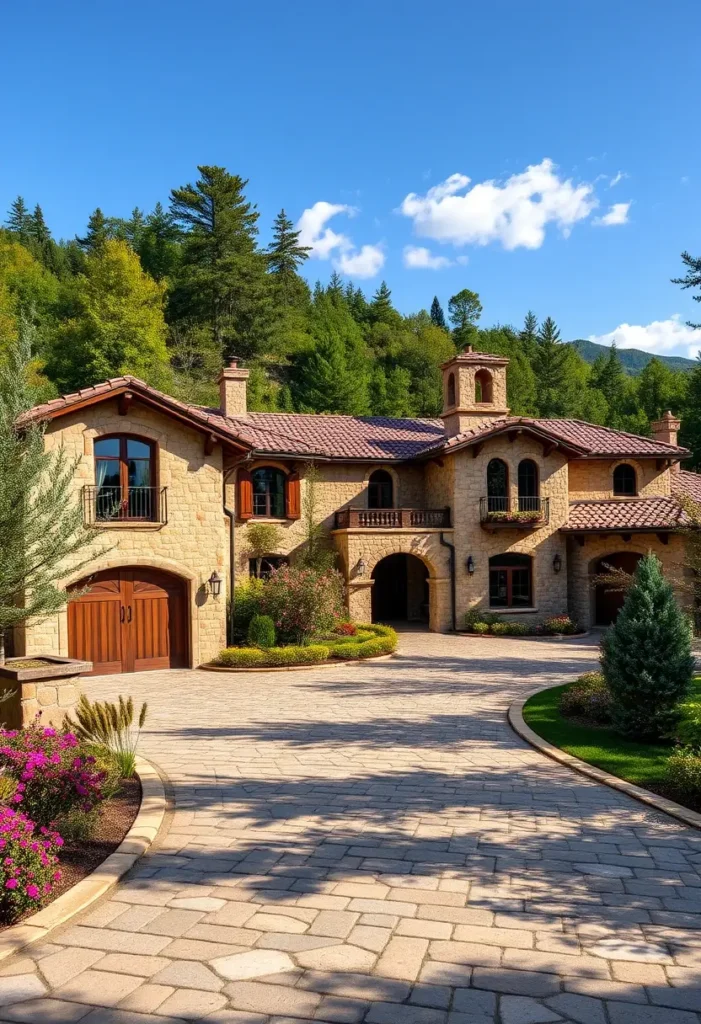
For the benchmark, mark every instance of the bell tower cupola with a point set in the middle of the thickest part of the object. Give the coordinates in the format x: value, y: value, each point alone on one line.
x: 474, y: 390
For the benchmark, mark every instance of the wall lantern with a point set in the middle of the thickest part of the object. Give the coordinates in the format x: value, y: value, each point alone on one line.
x: 470, y: 565
x: 557, y: 562
x: 214, y: 583
x: 360, y: 567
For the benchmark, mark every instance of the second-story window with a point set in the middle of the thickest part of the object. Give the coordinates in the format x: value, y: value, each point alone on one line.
x: 497, y: 486
x: 124, y: 478
x: 380, y: 490
x: 625, y: 482
x: 527, y: 486
x: 268, y: 492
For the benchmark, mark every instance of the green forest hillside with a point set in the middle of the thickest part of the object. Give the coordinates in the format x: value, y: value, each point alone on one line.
x: 633, y: 360
x: 170, y: 294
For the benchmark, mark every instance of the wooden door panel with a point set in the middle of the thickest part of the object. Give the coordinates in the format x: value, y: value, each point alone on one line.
x: 95, y: 630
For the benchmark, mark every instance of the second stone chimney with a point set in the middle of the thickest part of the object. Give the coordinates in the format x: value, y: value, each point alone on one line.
x: 666, y: 429
x: 232, y: 389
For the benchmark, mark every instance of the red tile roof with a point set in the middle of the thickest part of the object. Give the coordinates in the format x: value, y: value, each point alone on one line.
x: 685, y: 482
x: 624, y: 514
x: 366, y: 438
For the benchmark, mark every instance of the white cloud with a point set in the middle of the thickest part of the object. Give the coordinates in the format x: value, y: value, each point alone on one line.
x: 619, y: 176
x: 514, y: 214
x: 616, y: 214
x: 664, y: 337
x: 417, y: 257
x: 326, y: 243
x: 364, y: 262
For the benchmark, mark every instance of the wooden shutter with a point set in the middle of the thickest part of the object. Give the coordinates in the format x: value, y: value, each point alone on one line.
x: 244, y: 494
x: 292, y: 498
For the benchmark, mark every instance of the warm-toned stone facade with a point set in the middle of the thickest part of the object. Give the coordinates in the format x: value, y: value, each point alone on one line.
x: 203, y: 459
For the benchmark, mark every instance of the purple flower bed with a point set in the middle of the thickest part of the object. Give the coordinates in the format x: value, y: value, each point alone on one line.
x: 28, y: 869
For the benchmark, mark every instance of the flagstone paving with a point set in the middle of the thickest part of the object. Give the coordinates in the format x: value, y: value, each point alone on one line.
x: 374, y: 844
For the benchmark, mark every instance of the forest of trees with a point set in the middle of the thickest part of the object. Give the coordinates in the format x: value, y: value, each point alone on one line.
x: 168, y: 295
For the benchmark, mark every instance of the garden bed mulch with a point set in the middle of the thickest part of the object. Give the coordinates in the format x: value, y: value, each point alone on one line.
x: 77, y: 860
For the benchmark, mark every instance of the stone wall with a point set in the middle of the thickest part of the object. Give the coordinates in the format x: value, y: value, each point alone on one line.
x: 582, y: 561
x: 192, y: 544
x: 541, y: 543
x: 593, y: 478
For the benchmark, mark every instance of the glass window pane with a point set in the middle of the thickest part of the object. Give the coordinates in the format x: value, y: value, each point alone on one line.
x: 107, y: 473
x: 108, y: 446
x: 498, y: 593
x: 497, y: 486
x: 138, y: 449
x: 520, y: 587
x: 277, y: 494
x: 139, y: 473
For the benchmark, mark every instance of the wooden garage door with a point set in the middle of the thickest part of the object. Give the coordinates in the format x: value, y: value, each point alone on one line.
x: 129, y: 620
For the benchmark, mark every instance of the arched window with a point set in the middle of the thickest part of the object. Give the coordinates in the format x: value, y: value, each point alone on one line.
x: 483, y: 387
x: 625, y: 483
x: 510, y: 581
x: 124, y: 478
x: 268, y: 492
x: 497, y: 486
x: 451, y: 389
x: 380, y: 490
x: 527, y: 486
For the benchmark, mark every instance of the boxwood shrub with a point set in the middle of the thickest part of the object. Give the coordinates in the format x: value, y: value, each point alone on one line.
x: 370, y: 641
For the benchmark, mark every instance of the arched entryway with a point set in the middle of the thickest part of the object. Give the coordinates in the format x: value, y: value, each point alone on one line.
x: 400, y: 590
x: 608, y: 601
x: 129, y: 620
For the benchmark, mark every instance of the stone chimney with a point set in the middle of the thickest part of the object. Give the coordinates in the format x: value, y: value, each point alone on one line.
x: 232, y: 389
x: 666, y: 429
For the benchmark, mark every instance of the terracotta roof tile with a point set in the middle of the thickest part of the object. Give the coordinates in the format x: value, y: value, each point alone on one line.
x: 685, y: 482
x: 624, y: 514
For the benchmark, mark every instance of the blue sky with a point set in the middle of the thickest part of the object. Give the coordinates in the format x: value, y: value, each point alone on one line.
x: 362, y: 105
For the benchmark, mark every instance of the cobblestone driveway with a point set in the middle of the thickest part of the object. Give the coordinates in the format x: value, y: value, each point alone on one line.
x: 374, y: 844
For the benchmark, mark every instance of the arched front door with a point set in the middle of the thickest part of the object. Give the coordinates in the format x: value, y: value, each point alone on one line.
x: 400, y: 589
x: 129, y: 620
x: 609, y: 602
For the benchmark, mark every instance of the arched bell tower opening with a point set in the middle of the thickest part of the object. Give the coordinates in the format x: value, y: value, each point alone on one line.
x: 474, y: 389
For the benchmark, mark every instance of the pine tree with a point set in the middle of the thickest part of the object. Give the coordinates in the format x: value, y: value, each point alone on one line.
x: 97, y: 234
x: 38, y: 228
x: 550, y: 364
x: 158, y: 244
x: 134, y: 228
x: 41, y: 520
x: 464, y: 310
x: 437, y: 314
x: 332, y: 374
x: 381, y: 310
x: 19, y: 220
x: 528, y: 336
x: 646, y: 656
x: 335, y: 287
x: 692, y: 278
x: 285, y: 256
x: 655, y: 388
x: 221, y: 280
x: 357, y: 303
x: 609, y: 377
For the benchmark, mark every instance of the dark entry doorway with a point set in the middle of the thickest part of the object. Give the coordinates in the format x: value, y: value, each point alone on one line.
x: 400, y: 591
x: 608, y: 601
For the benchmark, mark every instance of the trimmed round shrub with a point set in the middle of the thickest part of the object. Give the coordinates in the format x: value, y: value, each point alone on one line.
x: 500, y: 628
x: 242, y: 657
x: 480, y: 628
x: 28, y: 864
x: 261, y: 632
x: 683, y: 772
x: 587, y: 697
x: 255, y: 657
x: 517, y: 629
x: 560, y: 625
x: 646, y: 656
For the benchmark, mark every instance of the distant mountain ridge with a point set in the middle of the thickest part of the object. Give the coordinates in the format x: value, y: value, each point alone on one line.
x: 634, y: 359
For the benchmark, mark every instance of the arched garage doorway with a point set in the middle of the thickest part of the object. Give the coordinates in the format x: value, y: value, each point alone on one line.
x: 608, y: 601
x: 400, y: 590
x: 129, y: 620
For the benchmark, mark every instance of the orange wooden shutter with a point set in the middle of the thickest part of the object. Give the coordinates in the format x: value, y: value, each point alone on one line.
x: 292, y: 499
x: 244, y: 494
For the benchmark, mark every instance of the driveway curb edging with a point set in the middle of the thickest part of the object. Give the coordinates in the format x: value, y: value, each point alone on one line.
x: 517, y: 722
x: 135, y: 844
x: 311, y: 667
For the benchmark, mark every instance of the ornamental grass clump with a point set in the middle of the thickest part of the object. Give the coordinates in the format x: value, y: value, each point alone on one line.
x: 646, y: 656
x: 110, y: 727
x: 28, y: 864
x: 54, y: 776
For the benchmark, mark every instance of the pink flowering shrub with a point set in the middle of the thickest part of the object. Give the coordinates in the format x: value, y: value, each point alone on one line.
x: 28, y: 864
x: 302, y: 602
x: 53, y: 776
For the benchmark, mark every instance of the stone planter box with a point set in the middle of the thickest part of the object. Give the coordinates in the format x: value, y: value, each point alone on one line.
x: 52, y: 688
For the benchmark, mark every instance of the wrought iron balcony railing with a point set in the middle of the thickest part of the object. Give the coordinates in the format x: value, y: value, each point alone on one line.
x: 521, y: 511
x: 393, y: 518
x: 104, y: 505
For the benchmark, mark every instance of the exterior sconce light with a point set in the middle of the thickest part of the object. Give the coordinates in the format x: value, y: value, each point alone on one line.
x: 557, y: 562
x: 470, y: 565
x: 360, y: 567
x: 214, y: 583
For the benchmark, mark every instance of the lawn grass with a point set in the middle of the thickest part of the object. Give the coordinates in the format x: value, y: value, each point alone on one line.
x: 640, y: 763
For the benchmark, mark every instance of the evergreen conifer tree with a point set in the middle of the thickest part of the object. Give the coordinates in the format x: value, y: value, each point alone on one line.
x: 550, y: 364
x: 437, y: 314
x: 19, y: 220
x: 690, y: 434
x: 646, y: 656
x: 97, y: 234
x: 38, y: 228
x: 158, y: 244
x: 381, y: 310
x: 692, y: 278
x: 335, y: 287
x: 464, y: 310
x: 528, y: 336
x: 285, y: 257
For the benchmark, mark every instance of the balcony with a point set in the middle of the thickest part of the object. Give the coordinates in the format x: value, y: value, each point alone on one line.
x: 111, y: 506
x: 516, y: 513
x: 393, y: 519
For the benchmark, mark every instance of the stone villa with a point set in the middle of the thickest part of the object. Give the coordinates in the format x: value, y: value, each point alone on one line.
x: 430, y: 517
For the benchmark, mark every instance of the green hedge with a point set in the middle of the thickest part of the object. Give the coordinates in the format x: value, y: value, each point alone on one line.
x: 370, y: 642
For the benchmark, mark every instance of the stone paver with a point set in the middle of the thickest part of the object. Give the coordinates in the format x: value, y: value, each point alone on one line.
x: 374, y: 844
